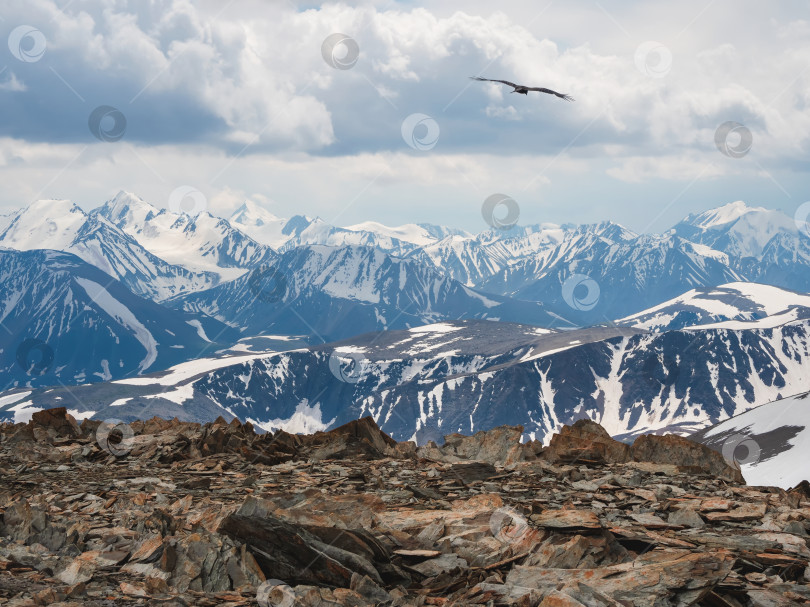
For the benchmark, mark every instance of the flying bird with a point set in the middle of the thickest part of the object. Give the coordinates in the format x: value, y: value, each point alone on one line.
x: 524, y: 90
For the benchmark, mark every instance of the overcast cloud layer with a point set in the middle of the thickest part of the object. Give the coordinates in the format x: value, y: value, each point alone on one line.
x: 237, y: 100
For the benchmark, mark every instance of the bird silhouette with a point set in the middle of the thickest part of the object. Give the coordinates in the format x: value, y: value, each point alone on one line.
x: 524, y: 90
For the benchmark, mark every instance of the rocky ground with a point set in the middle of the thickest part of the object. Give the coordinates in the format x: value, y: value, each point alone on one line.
x: 168, y: 513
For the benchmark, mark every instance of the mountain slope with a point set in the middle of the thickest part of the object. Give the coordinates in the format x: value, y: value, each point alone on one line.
x: 61, y: 225
x: 625, y: 272
x: 334, y: 292
x: 465, y: 376
x: 202, y: 243
x: 770, y: 442
x: 64, y: 321
x: 744, y: 302
x: 763, y: 245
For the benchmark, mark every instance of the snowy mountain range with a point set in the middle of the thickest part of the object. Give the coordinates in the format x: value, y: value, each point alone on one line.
x: 763, y: 245
x: 165, y: 255
x: 682, y: 329
x: 332, y: 293
x: 734, y: 305
x: 458, y: 376
x: 65, y: 321
x: 62, y: 226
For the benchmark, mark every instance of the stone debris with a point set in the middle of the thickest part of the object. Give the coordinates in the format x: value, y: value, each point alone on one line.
x: 175, y: 514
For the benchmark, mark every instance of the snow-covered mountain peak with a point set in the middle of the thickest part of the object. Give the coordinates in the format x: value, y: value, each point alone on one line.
x: 252, y: 214
x: 607, y: 230
x: 738, y: 229
x: 411, y: 232
x: 722, y: 215
x: 44, y: 224
x: 126, y: 208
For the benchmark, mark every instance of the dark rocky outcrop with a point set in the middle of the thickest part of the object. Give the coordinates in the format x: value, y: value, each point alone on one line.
x: 188, y: 514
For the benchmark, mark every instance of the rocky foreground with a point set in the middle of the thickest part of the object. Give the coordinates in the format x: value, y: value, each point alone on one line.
x: 169, y: 513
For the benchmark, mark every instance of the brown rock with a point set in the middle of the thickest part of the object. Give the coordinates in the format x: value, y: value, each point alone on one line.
x: 567, y: 519
x: 57, y: 422
x: 680, y: 451
x: 359, y: 439
x: 743, y: 512
x: 497, y: 446
x: 686, y: 517
x: 681, y: 580
x: 716, y: 504
x: 587, y: 442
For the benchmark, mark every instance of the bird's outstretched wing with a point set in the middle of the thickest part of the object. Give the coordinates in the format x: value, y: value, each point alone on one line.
x: 550, y: 92
x: 512, y: 84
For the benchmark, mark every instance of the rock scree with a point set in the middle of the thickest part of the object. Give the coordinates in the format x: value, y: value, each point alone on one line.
x: 169, y: 513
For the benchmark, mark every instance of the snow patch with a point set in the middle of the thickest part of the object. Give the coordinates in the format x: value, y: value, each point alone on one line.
x: 123, y: 315
x: 305, y: 420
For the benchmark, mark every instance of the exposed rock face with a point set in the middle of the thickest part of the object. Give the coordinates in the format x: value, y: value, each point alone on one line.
x: 56, y: 422
x: 179, y: 514
x: 588, y: 442
x: 680, y: 451
x: 497, y: 446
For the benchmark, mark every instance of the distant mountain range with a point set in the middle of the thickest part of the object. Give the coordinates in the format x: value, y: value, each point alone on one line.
x: 736, y: 305
x: 680, y: 330
x: 65, y: 321
x: 463, y: 376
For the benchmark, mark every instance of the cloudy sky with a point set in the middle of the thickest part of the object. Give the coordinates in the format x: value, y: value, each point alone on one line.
x: 253, y: 99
